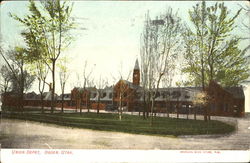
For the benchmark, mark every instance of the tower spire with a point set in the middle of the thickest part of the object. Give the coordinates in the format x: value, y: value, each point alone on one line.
x: 136, y: 65
x: 136, y: 73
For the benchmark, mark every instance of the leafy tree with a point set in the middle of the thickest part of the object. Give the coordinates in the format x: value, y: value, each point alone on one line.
x: 51, y: 26
x: 20, y: 79
x: 232, y: 66
x: 36, y: 60
x: 5, y: 79
x: 211, y: 53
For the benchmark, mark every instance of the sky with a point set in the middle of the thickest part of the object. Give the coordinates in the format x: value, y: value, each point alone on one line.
x: 108, y: 34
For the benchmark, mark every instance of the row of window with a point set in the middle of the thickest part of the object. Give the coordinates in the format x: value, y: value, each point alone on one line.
x: 103, y: 95
x: 165, y: 94
x: 168, y: 94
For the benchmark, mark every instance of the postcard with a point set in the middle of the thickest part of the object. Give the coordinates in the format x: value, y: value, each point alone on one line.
x: 125, y: 81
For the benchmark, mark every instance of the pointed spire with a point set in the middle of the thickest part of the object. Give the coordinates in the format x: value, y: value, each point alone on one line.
x: 136, y: 65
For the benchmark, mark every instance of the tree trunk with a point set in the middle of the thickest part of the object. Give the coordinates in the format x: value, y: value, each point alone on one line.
x: 144, y: 110
x: 194, y: 113
x: 144, y: 105
x: 21, y: 101
x: 120, y: 107
x: 177, y: 109
x: 152, y: 109
x: 148, y: 104
x: 205, y: 113
x: 87, y: 106
x: 167, y: 110
x: 87, y: 101
x: 76, y: 103
x: 148, y: 108
x: 22, y: 89
x: 42, y: 106
x: 62, y: 102
x: 80, y: 105
x: 53, y: 86
x: 21, y: 93
x: 208, y: 115
x: 98, y: 104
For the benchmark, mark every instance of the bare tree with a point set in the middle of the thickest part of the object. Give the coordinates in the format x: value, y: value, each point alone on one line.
x: 63, y: 77
x: 83, y: 82
x: 100, y: 85
x: 161, y: 44
x: 87, y: 71
x: 145, y: 51
x: 122, y: 89
x: 167, y: 83
x: 40, y: 70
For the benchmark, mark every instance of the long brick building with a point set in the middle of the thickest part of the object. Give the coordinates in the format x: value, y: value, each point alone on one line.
x: 129, y: 95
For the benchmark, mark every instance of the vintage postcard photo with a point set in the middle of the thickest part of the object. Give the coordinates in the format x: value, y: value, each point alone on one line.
x: 124, y: 81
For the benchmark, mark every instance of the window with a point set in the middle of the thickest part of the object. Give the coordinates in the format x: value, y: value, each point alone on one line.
x: 176, y: 94
x: 104, y: 94
x: 110, y: 95
x: 165, y: 94
x: 157, y: 94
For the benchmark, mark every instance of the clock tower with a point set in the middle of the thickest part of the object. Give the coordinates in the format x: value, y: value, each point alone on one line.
x: 136, y: 74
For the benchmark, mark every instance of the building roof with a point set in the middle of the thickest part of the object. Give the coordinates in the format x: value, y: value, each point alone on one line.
x: 86, y: 88
x: 131, y: 85
x: 175, y: 93
x: 30, y: 96
x: 237, y: 92
x: 49, y: 95
x: 67, y: 96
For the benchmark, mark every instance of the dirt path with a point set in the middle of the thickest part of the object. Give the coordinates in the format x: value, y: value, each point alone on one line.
x: 27, y: 134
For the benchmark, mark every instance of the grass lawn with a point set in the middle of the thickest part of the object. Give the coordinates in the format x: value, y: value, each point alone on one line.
x: 129, y: 124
